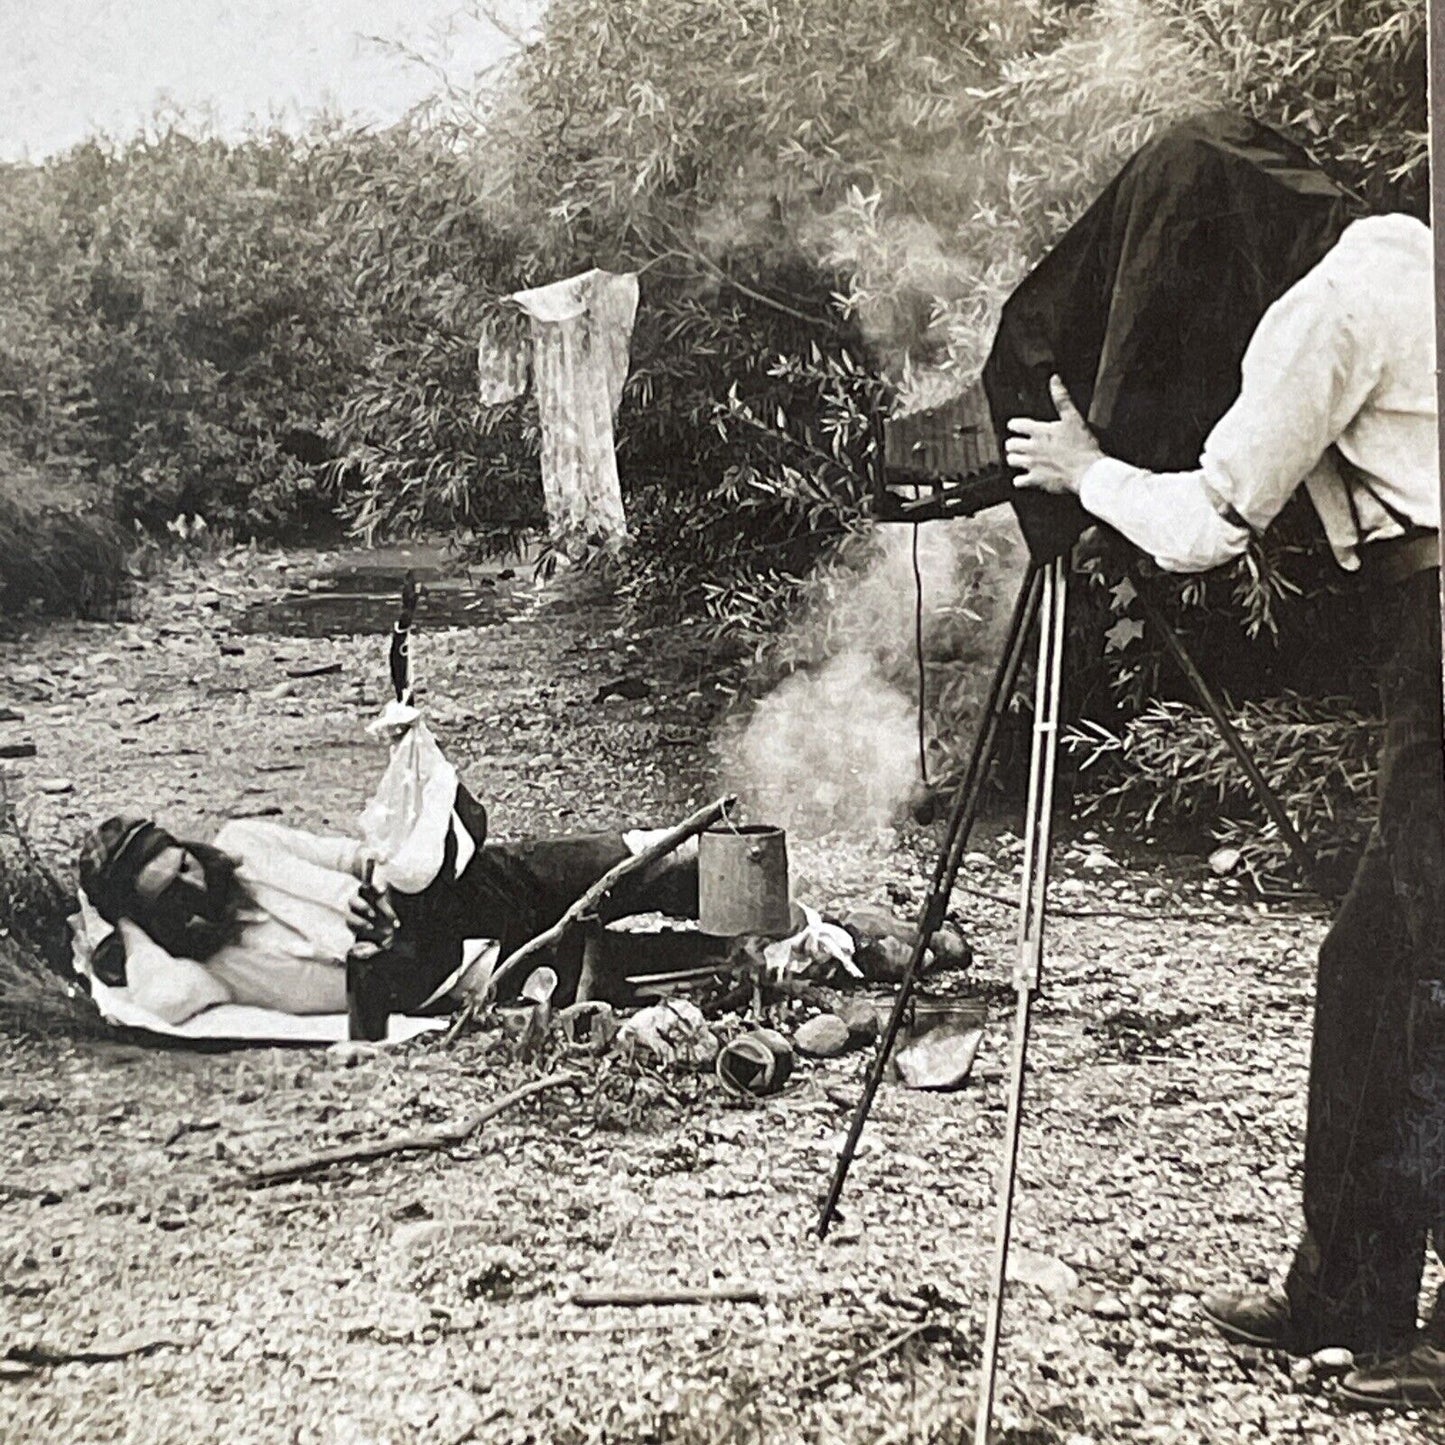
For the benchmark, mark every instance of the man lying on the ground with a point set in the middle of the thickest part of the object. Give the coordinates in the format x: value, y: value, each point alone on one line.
x: 269, y: 915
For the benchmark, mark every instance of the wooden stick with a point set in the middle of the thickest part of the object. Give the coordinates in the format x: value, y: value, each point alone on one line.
x: 821, y: 1382
x: 635, y: 1298
x: 99, y: 1352
x: 445, y: 1136
x: 669, y: 842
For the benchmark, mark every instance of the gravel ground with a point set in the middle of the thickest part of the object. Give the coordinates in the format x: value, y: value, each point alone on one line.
x: 430, y: 1298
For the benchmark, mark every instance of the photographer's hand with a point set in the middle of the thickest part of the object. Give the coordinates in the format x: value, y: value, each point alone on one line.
x: 1052, y: 455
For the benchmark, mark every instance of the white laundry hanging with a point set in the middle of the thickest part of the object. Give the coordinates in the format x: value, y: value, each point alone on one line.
x: 581, y: 333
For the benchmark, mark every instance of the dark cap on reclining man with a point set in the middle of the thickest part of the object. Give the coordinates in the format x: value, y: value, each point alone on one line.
x: 180, y: 893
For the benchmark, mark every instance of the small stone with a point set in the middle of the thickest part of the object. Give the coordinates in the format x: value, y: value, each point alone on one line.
x: 1111, y: 1307
x: 418, y: 1237
x: 951, y: 949
x: 1042, y: 1271
x: 351, y: 1052
x: 823, y: 1037
x: 55, y: 786
x: 1224, y: 860
x: 861, y: 1020
x: 884, y: 960
x: 1301, y: 1371
x: 1333, y: 1360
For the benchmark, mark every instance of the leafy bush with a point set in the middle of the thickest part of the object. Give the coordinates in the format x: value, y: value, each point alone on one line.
x: 1169, y: 767
x: 175, y: 321
x: 57, y: 554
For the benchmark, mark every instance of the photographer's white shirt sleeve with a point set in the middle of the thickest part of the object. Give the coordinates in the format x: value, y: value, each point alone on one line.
x: 1344, y: 358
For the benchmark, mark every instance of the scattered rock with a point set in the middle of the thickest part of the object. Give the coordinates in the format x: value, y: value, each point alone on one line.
x: 351, y: 1052
x: 17, y: 750
x: 823, y: 1037
x: 1043, y: 1272
x: 883, y: 960
x: 54, y: 786
x: 951, y: 949
x: 1110, y: 1307
x: 940, y: 1059
x: 861, y: 1020
x: 626, y: 689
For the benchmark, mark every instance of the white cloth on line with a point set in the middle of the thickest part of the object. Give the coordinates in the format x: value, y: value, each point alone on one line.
x: 581, y: 336
x: 502, y: 364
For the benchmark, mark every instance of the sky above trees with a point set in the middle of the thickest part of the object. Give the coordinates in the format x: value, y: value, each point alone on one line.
x: 71, y: 68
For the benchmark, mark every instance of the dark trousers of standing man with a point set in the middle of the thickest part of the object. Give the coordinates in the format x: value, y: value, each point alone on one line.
x: 1374, y: 1181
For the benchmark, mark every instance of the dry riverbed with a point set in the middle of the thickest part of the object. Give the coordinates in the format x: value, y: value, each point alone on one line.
x: 432, y: 1298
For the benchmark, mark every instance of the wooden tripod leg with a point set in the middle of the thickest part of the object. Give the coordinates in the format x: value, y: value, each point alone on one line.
x: 960, y: 823
x: 1028, y: 972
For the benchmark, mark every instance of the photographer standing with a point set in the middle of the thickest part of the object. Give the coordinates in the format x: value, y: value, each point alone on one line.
x: 1338, y: 395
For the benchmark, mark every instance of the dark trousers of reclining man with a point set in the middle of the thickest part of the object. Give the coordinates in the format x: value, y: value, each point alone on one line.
x: 273, y: 913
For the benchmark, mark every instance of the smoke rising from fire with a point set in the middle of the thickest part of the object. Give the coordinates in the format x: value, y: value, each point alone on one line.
x: 834, y: 747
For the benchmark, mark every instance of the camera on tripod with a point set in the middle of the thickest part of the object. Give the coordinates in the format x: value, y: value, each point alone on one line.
x: 940, y: 462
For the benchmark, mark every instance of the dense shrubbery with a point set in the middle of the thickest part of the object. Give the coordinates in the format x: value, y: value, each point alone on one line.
x: 814, y: 195
x: 1168, y: 767
x: 175, y: 326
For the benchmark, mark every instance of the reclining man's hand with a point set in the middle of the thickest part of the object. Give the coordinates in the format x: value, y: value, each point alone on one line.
x: 372, y: 918
x: 1052, y: 455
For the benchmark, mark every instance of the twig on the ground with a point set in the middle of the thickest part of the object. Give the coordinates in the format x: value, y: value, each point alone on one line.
x: 96, y: 1353
x: 445, y: 1136
x: 821, y: 1382
x: 637, y: 1298
x: 588, y: 903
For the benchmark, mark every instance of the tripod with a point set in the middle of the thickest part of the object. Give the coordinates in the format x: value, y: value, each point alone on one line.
x: 1042, y: 598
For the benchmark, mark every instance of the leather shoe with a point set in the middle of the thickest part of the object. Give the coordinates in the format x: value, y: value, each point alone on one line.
x: 1413, y: 1378
x: 1259, y: 1317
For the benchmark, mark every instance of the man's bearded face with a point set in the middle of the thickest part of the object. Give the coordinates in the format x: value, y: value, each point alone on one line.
x: 185, y: 897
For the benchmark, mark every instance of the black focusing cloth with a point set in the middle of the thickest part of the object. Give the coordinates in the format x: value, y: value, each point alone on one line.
x: 1146, y: 305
